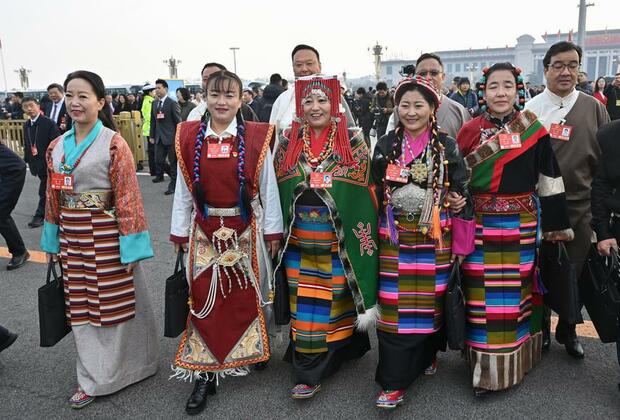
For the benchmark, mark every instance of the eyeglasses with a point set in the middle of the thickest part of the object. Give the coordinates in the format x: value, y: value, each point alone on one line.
x: 559, y: 66
x: 431, y: 73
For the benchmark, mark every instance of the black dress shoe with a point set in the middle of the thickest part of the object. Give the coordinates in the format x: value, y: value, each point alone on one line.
x: 198, y: 399
x: 169, y: 191
x: 17, y: 261
x: 546, y: 343
x: 158, y: 179
x: 480, y: 392
x: 261, y: 365
x: 7, y: 343
x: 36, y: 222
x: 571, y: 342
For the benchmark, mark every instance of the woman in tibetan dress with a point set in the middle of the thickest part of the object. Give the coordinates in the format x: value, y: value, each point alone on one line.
x: 330, y: 251
x: 518, y: 192
x: 415, y: 166
x: 226, y: 213
x: 94, y: 218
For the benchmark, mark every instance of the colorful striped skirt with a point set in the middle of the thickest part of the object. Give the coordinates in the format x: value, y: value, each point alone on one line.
x: 98, y: 289
x: 322, y: 309
x: 413, y: 277
x: 503, y: 317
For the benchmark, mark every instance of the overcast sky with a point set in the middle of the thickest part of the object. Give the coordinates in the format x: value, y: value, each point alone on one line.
x: 126, y: 41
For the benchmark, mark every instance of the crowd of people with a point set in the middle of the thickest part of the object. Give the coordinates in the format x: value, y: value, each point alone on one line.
x: 284, y: 184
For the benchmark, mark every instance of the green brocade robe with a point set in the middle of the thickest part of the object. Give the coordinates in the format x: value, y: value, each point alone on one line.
x: 353, y: 207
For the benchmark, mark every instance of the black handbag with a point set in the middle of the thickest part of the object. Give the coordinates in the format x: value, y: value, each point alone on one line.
x: 177, y: 294
x: 559, y: 277
x: 599, y: 293
x: 53, y: 325
x: 454, y: 309
x: 281, y: 304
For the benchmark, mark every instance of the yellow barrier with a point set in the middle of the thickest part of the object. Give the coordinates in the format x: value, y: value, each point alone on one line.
x: 129, y: 126
x: 12, y: 135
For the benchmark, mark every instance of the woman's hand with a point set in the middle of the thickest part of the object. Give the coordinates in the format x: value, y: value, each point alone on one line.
x: 51, y: 257
x: 274, y: 247
x: 129, y: 267
x: 559, y: 235
x: 180, y: 246
x: 455, y: 257
x: 604, y: 247
x: 456, y: 201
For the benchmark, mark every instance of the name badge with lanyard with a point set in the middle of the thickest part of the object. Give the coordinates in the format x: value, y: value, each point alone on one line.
x: 64, y: 180
x: 320, y: 179
x: 560, y: 131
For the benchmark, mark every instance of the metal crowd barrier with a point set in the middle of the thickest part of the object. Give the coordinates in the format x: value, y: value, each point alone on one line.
x: 129, y: 126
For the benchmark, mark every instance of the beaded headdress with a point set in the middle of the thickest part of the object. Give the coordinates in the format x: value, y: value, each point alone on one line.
x: 482, y: 84
x: 328, y: 86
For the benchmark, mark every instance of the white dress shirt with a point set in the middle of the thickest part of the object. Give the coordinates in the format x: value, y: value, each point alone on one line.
x: 551, y: 108
x: 55, y: 112
x: 268, y: 189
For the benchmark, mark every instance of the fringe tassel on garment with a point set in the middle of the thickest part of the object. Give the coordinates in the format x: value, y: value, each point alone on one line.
x: 191, y: 375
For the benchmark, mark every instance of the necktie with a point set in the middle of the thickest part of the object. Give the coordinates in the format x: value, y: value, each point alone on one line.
x: 54, y: 116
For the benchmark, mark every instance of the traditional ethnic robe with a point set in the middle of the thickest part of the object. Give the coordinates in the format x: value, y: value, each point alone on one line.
x: 330, y: 259
x: 414, y: 272
x: 233, y: 333
x: 577, y: 158
x: 504, y: 309
x: 98, y: 228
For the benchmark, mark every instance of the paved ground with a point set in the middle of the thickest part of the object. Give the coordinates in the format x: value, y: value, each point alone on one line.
x: 36, y: 382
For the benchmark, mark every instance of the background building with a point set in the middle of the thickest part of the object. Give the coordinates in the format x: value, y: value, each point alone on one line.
x: 601, y: 57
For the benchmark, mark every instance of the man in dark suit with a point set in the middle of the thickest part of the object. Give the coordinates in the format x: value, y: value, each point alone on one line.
x: 12, y: 177
x: 39, y: 131
x: 57, y: 110
x: 165, y: 115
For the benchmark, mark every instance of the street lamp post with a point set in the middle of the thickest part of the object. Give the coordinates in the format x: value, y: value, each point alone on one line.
x: 173, y: 65
x: 234, y: 50
x: 471, y: 68
x: 377, y: 50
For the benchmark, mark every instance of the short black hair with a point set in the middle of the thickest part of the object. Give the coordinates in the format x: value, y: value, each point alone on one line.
x: 305, y: 47
x: 249, y: 90
x: 30, y: 99
x: 428, y: 56
x: 464, y: 80
x: 275, y: 79
x: 20, y: 95
x: 560, y: 47
x: 161, y: 82
x: 583, y: 72
x: 184, y: 93
x: 361, y: 91
x: 218, y: 65
x: 56, y: 86
x: 382, y: 86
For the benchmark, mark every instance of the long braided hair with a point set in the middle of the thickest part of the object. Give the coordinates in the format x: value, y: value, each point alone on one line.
x: 216, y: 81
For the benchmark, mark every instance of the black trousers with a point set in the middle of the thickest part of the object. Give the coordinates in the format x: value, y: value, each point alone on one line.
x: 163, y: 151
x: 11, y: 188
x: 150, y: 149
x: 42, y: 188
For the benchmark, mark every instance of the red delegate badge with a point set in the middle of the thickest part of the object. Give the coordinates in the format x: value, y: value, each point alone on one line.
x: 218, y: 151
x: 320, y: 180
x: 509, y: 141
x: 160, y: 115
x: 62, y: 182
x: 396, y: 173
x: 560, y: 132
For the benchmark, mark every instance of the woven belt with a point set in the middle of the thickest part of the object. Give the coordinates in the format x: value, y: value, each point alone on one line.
x: 229, y: 212
x: 487, y: 203
x: 100, y: 200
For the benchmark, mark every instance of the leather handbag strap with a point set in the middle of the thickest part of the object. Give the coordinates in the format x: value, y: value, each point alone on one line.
x: 51, y: 272
x: 180, y: 261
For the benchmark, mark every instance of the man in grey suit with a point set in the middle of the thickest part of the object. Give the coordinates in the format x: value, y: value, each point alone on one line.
x: 165, y: 115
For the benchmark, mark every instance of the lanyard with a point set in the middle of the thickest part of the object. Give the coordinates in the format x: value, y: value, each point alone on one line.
x: 77, y: 152
x: 36, y: 135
